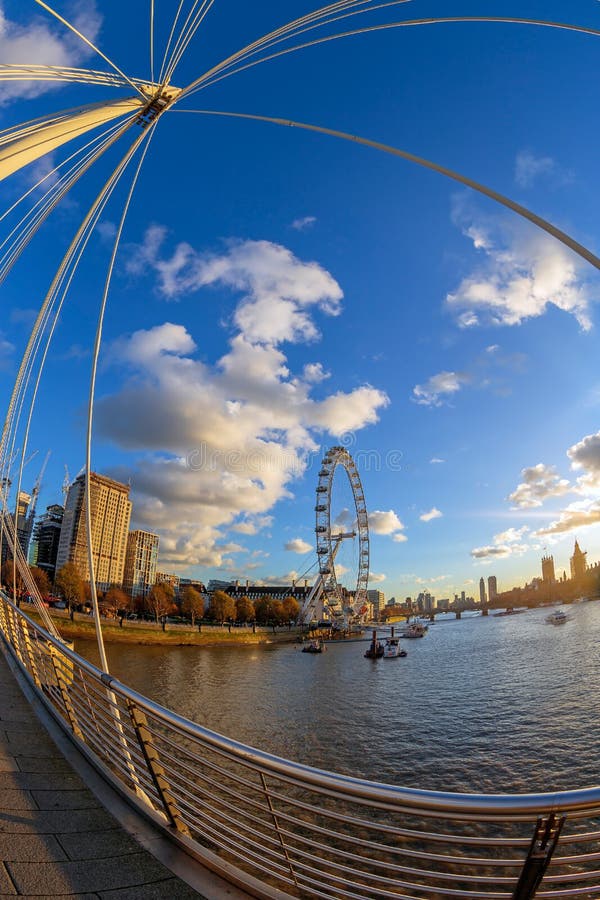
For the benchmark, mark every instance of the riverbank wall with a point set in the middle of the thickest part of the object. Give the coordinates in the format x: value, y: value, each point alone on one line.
x: 135, y: 632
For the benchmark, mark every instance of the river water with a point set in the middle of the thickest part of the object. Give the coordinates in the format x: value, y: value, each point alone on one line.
x: 481, y: 704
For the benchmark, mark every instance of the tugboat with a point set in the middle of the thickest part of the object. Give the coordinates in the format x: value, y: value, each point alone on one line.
x: 375, y: 649
x: 314, y: 647
x: 392, y: 649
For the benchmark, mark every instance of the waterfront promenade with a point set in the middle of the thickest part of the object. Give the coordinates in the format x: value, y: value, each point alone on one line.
x: 58, y: 834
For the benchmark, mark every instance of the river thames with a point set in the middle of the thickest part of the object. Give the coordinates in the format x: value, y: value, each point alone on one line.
x: 481, y: 704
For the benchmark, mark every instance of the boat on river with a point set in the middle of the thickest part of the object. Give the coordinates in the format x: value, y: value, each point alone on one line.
x: 314, y: 647
x: 414, y: 630
x: 375, y: 648
x: 558, y: 617
x: 391, y: 649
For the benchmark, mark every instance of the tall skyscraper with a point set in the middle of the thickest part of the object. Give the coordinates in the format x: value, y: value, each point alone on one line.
x: 46, y: 537
x: 492, y: 588
x: 578, y: 562
x: 482, y: 596
x: 377, y: 598
x: 548, y: 569
x: 23, y: 526
x: 110, y: 515
x: 140, y: 562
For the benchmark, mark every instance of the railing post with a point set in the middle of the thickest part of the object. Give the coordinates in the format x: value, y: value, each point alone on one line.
x: 31, y: 657
x: 144, y: 736
x: 64, y: 692
x: 276, y: 822
x: 543, y: 844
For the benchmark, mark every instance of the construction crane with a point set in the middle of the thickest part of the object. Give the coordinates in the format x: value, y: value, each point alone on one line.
x: 35, y: 492
x: 66, y: 483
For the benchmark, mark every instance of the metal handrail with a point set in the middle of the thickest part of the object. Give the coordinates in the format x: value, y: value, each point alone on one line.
x: 285, y: 829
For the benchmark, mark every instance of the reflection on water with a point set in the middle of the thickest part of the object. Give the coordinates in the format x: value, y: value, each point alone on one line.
x: 481, y: 704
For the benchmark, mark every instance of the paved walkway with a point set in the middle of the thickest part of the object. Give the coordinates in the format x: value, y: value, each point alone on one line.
x: 57, y: 839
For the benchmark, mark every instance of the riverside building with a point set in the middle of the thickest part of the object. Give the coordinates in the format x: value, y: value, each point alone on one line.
x: 140, y: 562
x: 110, y: 515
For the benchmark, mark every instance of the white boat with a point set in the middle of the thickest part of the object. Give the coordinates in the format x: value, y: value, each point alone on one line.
x: 414, y: 630
x: 558, y: 617
x: 391, y: 649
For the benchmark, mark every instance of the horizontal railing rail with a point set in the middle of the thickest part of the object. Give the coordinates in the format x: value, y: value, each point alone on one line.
x: 283, y: 829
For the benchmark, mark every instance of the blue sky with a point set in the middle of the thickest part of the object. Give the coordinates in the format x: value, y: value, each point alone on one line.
x: 279, y: 291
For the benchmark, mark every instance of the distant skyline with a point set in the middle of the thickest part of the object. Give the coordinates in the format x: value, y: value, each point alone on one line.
x: 278, y: 292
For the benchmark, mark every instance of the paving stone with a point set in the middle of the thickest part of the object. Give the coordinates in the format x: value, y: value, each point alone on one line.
x: 18, y: 800
x: 171, y: 889
x: 98, y: 844
x: 71, y: 877
x: 34, y: 744
x: 7, y: 888
x: 28, y: 763
x: 56, y: 821
x: 79, y: 799
x: 63, y: 896
x: 8, y: 764
x: 50, y: 781
x: 30, y: 848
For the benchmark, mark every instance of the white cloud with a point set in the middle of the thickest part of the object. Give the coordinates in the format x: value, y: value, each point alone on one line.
x: 576, y: 515
x: 41, y: 42
x: 506, y: 543
x: 216, y: 446
x: 298, y: 545
x: 384, y: 522
x: 438, y: 387
x: 304, y: 223
x: 539, y: 483
x: 279, y: 289
x: 374, y: 578
x: 520, y: 274
x: 585, y: 455
x: 498, y: 551
x: 529, y: 167
x: 253, y: 525
x: 314, y: 373
x: 399, y: 537
x: 511, y: 535
x: 433, y: 513
x: 436, y: 460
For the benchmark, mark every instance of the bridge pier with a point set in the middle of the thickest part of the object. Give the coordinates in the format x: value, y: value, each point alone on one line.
x: 484, y: 611
x: 458, y: 614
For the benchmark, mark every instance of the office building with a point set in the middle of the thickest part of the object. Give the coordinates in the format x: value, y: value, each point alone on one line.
x: 46, y: 537
x: 110, y: 508
x: 482, y: 596
x: 377, y: 599
x: 140, y: 563
x: 492, y: 588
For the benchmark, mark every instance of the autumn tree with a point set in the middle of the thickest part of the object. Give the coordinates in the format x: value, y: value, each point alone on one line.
x: 291, y: 609
x: 192, y: 604
x: 244, y: 608
x: 159, y: 599
x: 265, y: 610
x: 69, y: 584
x: 41, y: 579
x: 8, y: 571
x: 221, y: 607
x: 116, y: 599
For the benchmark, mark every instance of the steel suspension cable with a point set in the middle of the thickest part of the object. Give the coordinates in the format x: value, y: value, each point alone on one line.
x: 89, y: 43
x: 546, y: 226
x: 94, y: 368
x: 409, y: 23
